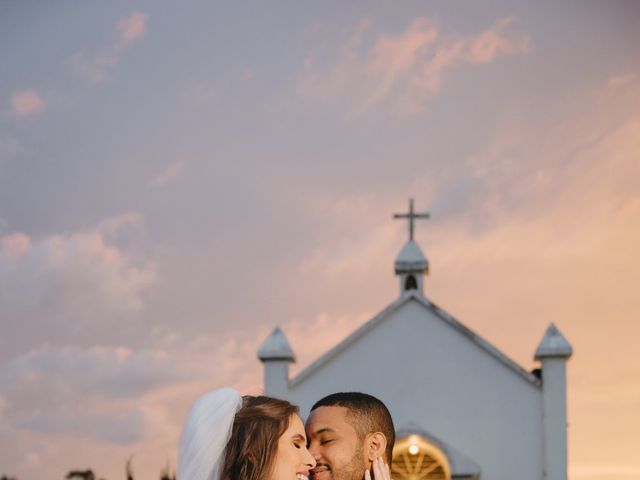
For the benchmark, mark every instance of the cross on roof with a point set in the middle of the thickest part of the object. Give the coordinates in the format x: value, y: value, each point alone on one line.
x: 411, y: 216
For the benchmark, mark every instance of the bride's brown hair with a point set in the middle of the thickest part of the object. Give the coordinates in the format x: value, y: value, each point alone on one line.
x: 253, y: 445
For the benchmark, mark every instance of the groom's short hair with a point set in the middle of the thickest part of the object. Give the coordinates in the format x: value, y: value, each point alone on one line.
x: 365, y: 413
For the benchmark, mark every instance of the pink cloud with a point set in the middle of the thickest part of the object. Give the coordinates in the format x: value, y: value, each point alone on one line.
x: 96, y: 65
x: 407, y: 68
x: 402, y: 51
x: 393, y: 57
x: 343, y: 70
x: 491, y: 43
x: 619, y: 81
x: 169, y: 175
x: 27, y: 102
x: 93, y: 68
x: 248, y: 74
x: 132, y: 27
x: 16, y: 245
x: 430, y: 74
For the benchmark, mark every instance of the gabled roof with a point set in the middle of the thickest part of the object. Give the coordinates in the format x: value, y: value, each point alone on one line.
x: 440, y: 313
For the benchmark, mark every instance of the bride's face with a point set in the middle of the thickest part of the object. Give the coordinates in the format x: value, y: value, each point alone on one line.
x: 293, y: 460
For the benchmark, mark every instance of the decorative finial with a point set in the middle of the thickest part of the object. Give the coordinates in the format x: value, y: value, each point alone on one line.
x: 411, y: 216
x: 553, y: 345
x: 276, y: 347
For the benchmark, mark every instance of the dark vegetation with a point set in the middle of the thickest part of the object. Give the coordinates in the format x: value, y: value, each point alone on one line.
x: 165, y: 474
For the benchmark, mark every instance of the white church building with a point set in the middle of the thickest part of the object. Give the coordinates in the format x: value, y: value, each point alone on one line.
x: 462, y: 408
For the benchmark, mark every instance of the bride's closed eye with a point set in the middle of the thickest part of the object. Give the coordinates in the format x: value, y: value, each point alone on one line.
x: 298, y: 441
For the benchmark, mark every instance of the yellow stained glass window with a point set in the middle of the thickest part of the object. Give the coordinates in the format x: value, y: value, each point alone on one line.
x: 415, y: 458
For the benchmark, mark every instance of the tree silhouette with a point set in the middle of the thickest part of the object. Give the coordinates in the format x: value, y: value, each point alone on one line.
x: 129, y: 468
x: 81, y: 474
x: 166, y: 474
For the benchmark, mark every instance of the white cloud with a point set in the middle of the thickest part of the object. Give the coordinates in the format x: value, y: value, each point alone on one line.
x: 109, y: 427
x: 98, y: 392
x: 95, y: 372
x: 10, y: 147
x: 57, y: 400
x: 197, y: 92
x: 76, y: 280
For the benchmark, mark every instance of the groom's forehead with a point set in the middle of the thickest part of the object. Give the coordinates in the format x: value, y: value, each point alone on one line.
x: 327, y: 418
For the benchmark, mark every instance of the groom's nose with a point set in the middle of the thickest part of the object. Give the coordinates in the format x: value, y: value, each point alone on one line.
x: 314, y: 451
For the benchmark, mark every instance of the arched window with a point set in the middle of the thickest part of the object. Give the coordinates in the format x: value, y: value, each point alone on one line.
x: 411, y: 283
x: 415, y: 458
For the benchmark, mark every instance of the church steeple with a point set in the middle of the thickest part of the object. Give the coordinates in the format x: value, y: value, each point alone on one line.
x: 411, y: 265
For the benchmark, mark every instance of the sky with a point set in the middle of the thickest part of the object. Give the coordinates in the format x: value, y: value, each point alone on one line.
x: 178, y: 179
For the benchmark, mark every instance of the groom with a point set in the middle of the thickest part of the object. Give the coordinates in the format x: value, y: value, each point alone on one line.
x: 346, y: 432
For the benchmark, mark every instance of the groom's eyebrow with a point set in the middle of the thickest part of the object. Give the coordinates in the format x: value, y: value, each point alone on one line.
x: 324, y: 430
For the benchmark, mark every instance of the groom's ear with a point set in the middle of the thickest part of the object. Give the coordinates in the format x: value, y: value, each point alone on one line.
x: 375, y: 445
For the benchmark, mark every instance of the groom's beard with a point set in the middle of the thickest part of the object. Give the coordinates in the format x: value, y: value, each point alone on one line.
x: 354, y: 470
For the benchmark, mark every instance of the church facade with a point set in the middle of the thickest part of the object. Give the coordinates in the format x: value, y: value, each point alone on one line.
x: 462, y: 409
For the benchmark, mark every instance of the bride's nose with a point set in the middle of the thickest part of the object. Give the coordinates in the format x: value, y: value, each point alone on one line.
x: 308, y: 459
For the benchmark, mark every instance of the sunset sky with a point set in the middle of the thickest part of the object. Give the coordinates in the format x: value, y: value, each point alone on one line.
x: 178, y: 179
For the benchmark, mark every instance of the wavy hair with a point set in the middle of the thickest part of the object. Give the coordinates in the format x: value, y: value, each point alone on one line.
x: 257, y: 426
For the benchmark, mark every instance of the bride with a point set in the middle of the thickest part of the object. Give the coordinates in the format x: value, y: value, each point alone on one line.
x: 230, y: 437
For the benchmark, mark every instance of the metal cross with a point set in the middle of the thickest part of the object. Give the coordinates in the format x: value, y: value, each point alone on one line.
x: 411, y: 216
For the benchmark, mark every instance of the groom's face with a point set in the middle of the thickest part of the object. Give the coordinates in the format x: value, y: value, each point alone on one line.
x: 335, y: 445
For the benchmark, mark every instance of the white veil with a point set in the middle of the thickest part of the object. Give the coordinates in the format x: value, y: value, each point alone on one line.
x: 206, y: 433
